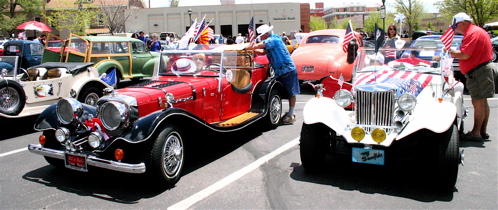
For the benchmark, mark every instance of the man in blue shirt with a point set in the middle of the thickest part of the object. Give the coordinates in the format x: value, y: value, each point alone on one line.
x: 280, y: 59
x: 142, y: 37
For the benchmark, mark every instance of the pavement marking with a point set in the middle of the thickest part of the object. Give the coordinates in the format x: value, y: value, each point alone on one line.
x: 188, y: 202
x: 13, y: 152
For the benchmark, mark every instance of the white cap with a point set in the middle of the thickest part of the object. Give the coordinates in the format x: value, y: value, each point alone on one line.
x: 461, y: 17
x: 263, y: 29
x: 374, y: 57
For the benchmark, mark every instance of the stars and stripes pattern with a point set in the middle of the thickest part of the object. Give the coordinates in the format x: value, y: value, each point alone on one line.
x: 348, y: 37
x: 447, y: 37
x: 390, y: 53
x: 251, y: 31
x: 402, y: 79
x: 199, y: 28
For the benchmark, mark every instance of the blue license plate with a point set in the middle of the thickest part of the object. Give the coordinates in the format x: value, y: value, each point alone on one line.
x: 368, y: 156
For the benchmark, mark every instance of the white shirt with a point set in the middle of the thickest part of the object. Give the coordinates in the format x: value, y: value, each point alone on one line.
x: 239, y: 40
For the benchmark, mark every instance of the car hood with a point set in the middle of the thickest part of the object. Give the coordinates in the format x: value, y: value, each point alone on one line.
x: 329, y: 58
x: 151, y: 94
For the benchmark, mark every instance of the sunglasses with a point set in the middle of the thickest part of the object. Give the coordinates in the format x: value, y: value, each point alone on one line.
x: 392, y: 29
x: 198, y: 59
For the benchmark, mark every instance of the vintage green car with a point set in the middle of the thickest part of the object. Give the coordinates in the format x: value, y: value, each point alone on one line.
x: 130, y: 57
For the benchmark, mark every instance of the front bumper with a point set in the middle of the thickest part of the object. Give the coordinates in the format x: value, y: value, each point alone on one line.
x: 91, y: 160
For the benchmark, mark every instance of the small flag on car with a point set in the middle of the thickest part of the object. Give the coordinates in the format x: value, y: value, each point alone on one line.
x: 110, y: 78
x: 348, y: 37
x: 447, y: 37
x: 251, y: 31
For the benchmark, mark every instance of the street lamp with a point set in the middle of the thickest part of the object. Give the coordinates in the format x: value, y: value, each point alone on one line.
x: 190, y: 16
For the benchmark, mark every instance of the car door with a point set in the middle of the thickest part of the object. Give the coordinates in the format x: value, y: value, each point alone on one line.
x: 140, y: 55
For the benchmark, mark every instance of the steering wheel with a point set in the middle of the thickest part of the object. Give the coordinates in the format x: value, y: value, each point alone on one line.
x: 208, y: 68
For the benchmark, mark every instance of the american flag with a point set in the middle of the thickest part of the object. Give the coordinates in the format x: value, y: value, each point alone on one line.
x: 348, y: 37
x: 205, y: 36
x: 402, y: 79
x: 390, y: 54
x: 199, y: 28
x: 447, y: 37
x: 251, y: 31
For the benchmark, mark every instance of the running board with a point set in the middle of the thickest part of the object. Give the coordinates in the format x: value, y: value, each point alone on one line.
x: 239, y: 119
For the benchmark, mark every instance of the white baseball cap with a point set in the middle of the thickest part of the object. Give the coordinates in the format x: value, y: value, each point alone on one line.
x: 461, y: 17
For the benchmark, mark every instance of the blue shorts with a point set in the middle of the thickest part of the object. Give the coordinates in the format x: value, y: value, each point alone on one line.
x: 290, y: 82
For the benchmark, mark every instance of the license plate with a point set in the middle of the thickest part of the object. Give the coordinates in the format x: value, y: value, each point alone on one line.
x: 369, y: 156
x: 308, y: 68
x: 75, y: 161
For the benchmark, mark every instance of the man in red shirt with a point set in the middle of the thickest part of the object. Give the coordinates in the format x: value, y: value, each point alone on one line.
x: 475, y: 56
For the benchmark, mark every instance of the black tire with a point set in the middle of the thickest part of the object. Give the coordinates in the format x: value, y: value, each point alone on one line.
x: 274, y: 113
x: 90, y: 95
x: 448, y: 159
x: 12, y: 98
x: 166, y: 159
x: 315, y: 142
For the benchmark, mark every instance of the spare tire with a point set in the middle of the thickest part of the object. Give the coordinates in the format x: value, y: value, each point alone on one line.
x: 12, y: 97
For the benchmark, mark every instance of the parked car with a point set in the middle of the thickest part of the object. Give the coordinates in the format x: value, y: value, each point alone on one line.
x: 406, y: 114
x: 33, y: 90
x: 129, y: 56
x: 494, y: 42
x: 433, y: 45
x: 330, y: 61
x: 143, y: 128
x: 30, y: 53
x: 417, y: 34
x: 2, y: 42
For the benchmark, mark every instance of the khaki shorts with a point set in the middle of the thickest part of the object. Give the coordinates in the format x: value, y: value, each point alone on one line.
x: 481, y: 83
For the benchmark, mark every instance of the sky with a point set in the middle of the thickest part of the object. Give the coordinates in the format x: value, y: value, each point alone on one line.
x: 328, y: 3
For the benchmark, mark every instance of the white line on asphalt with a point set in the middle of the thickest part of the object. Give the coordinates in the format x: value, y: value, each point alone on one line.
x: 188, y: 202
x: 13, y: 152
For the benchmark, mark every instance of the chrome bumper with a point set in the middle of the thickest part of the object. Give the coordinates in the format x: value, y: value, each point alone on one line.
x: 91, y: 160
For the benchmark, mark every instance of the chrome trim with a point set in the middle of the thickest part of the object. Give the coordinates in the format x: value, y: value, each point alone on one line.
x: 91, y: 160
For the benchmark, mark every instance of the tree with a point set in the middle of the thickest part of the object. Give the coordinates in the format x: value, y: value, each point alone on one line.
x: 15, y: 12
x: 369, y: 23
x: 174, y: 3
x: 113, y: 15
x: 480, y: 11
x: 73, y: 15
x: 344, y: 23
x: 413, y: 10
x: 334, y: 23
x: 317, y: 23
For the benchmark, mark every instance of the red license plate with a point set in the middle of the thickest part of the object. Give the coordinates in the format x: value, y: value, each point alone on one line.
x: 308, y: 68
x: 75, y: 161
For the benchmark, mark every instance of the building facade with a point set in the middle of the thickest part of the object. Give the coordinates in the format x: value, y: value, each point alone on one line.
x: 228, y: 20
x: 356, y: 12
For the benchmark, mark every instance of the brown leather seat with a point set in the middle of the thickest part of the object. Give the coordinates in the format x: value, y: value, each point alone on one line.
x: 33, y: 74
x: 52, y: 74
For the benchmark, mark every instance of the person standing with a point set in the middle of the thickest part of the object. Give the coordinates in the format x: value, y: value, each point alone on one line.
x: 142, y: 37
x: 392, y: 37
x: 154, y: 44
x: 239, y: 39
x: 285, y: 70
x: 475, y: 56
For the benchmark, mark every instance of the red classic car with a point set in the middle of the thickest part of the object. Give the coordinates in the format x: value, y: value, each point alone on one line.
x: 143, y: 128
x: 320, y: 54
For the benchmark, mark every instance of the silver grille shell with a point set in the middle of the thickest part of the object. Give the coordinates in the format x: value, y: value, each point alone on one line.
x: 375, y: 107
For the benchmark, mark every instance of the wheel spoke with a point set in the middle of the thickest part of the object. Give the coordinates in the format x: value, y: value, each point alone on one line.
x: 173, y: 154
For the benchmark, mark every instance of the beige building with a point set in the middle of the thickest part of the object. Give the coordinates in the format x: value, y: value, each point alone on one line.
x: 228, y: 20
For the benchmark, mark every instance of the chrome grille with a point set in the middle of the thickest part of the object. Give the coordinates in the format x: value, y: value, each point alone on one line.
x: 375, y: 107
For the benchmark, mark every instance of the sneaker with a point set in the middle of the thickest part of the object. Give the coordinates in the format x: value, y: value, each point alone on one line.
x: 288, y: 120
x: 469, y: 137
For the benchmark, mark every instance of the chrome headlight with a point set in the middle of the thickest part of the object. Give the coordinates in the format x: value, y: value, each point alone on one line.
x: 62, y: 134
x: 68, y: 110
x: 95, y: 140
x: 343, y: 98
x: 114, y: 115
x: 407, y: 102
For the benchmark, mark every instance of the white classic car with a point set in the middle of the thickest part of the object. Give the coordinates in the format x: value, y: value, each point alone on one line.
x: 406, y: 109
x: 29, y: 92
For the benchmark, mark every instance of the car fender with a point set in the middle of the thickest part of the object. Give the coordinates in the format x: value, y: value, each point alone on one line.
x: 48, y: 120
x: 148, y: 68
x: 325, y: 110
x: 104, y: 65
x: 87, y: 77
x: 423, y: 118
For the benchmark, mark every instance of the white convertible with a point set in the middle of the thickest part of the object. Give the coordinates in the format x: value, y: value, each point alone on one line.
x: 29, y: 92
x: 407, y: 108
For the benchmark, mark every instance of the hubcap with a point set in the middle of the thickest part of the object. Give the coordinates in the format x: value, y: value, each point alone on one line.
x: 91, y: 99
x: 173, y: 154
x: 275, y: 110
x: 9, y: 99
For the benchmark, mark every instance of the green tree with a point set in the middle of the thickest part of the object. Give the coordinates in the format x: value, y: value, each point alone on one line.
x: 413, y: 10
x: 480, y: 11
x: 344, y: 23
x: 174, y: 3
x: 369, y: 23
x: 15, y: 12
x: 334, y: 23
x: 73, y: 15
x: 317, y: 23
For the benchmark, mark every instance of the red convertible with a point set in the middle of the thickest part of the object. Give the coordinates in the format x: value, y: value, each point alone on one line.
x: 320, y: 55
x: 143, y: 128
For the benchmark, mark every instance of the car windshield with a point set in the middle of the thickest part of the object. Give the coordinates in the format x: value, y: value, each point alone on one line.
x: 208, y: 63
x: 7, y: 65
x: 323, y: 39
x: 435, y: 43
x: 55, y: 43
x: 368, y: 61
